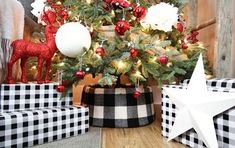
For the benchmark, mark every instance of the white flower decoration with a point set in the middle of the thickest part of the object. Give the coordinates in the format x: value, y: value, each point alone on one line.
x: 161, y: 16
x: 38, y: 7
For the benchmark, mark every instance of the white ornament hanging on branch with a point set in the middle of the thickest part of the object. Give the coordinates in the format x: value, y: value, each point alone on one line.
x: 71, y: 38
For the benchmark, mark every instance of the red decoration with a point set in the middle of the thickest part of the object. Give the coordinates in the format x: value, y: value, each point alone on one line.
x: 192, y: 38
x: 121, y: 27
x: 100, y: 51
x: 183, y: 44
x: 80, y: 74
x: 139, y: 12
x: 120, y: 3
x: 163, y: 59
x: 49, y: 17
x: 134, y: 52
x: 136, y: 94
x: 60, y: 88
x: 23, y: 49
x: 180, y: 26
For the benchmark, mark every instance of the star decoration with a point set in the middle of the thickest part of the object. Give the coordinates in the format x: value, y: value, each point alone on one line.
x: 197, y: 106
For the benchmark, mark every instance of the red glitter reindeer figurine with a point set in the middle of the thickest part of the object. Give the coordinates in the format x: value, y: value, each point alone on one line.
x: 23, y: 49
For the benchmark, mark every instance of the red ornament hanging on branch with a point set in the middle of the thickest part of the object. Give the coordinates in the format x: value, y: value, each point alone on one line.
x: 180, y: 27
x: 121, y: 27
x: 100, y: 51
x: 136, y: 94
x: 80, y: 74
x: 139, y: 12
x: 163, y: 59
x: 60, y: 88
x: 134, y: 52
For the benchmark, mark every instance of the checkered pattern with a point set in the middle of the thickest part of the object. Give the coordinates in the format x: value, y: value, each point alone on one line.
x: 224, y: 122
x: 31, y: 96
x: 38, y: 126
x: 117, y: 108
x: 34, y: 114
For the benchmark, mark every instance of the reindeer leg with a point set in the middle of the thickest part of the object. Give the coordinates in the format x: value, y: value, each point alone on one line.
x: 48, y: 67
x: 23, y: 68
x: 10, y: 64
x: 39, y: 76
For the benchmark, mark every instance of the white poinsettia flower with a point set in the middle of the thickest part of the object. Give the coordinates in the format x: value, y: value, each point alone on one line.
x: 161, y: 16
x: 38, y: 7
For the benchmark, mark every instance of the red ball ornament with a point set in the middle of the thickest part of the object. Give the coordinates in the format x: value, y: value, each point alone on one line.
x: 134, y: 52
x: 139, y: 12
x: 136, y: 94
x: 100, y: 51
x: 184, y: 46
x: 121, y: 27
x: 60, y: 88
x: 119, y: 3
x: 80, y: 74
x: 163, y: 59
x: 180, y: 27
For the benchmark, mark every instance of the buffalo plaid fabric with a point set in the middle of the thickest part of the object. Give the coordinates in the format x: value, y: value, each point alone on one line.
x: 31, y: 96
x: 34, y: 114
x: 224, y: 122
x: 117, y: 107
x: 31, y: 127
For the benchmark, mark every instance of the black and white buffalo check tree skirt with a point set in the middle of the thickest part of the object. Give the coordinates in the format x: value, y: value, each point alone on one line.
x: 34, y: 114
x: 116, y: 107
x: 224, y: 122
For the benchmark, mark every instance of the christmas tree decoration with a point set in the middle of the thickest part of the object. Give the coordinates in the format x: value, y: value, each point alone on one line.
x: 139, y: 12
x: 161, y: 17
x: 133, y: 52
x: 196, y: 104
x: 163, y: 59
x: 180, y: 27
x: 65, y: 82
x: 121, y: 27
x: 80, y: 74
x: 72, y: 38
x: 100, y: 51
x: 60, y: 88
x: 134, y: 38
x: 192, y: 37
x: 136, y: 94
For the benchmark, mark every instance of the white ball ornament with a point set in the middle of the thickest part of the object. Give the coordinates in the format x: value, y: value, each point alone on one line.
x: 71, y: 38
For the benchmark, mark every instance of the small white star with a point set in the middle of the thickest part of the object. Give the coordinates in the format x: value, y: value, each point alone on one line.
x: 197, y: 106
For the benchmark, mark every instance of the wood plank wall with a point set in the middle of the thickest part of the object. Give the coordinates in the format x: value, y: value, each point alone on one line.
x: 218, y: 38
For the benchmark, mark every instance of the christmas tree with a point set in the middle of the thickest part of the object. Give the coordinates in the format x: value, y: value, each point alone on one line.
x: 148, y: 40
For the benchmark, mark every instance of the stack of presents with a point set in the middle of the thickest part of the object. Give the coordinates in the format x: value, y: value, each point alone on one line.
x: 33, y: 114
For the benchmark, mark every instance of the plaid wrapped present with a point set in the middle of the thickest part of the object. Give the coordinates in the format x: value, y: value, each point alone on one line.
x: 111, y: 107
x: 34, y: 114
x: 224, y: 122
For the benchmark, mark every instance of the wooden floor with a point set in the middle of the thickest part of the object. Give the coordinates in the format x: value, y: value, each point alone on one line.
x: 143, y: 137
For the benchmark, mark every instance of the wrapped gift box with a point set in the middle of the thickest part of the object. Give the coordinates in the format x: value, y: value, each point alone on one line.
x: 224, y: 122
x: 34, y: 114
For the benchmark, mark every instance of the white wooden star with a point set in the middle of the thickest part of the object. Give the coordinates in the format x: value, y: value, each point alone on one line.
x: 197, y: 106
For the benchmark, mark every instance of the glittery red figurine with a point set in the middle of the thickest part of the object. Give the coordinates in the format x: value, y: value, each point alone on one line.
x: 23, y: 49
x: 139, y: 12
x: 133, y: 52
x: 163, y: 59
x: 121, y: 27
x: 100, y: 51
x: 136, y: 94
x: 80, y: 74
